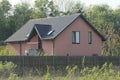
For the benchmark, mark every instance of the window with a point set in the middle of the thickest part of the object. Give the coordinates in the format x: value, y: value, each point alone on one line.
x: 89, y: 37
x: 75, y: 37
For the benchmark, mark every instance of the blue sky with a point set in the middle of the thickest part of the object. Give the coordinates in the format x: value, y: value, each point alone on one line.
x: 112, y: 3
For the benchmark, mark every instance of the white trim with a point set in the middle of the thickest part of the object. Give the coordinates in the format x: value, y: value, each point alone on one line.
x: 32, y: 42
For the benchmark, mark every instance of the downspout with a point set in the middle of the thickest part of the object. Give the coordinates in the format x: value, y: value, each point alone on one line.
x: 20, y: 49
x: 53, y: 46
x: 53, y: 52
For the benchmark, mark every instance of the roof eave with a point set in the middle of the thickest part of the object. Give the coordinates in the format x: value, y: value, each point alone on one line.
x: 47, y: 38
x: 15, y: 41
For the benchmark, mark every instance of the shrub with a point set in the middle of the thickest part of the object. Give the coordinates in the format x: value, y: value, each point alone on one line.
x: 5, y: 52
x: 13, y: 77
x: 7, y: 68
x: 2, y: 43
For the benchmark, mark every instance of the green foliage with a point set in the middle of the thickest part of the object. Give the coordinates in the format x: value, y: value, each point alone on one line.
x: 13, y: 77
x: 83, y: 61
x: 2, y: 43
x: 116, y: 20
x: 112, y: 45
x: 71, y: 7
x: 5, y: 7
x: 22, y: 13
x: 70, y: 72
x: 105, y: 72
x: 44, y: 8
x: 96, y: 73
x: 47, y: 76
x: 5, y: 52
x: 6, y: 69
x: 104, y: 19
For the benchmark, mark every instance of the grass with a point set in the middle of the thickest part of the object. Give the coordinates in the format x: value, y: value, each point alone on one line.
x: 106, y: 72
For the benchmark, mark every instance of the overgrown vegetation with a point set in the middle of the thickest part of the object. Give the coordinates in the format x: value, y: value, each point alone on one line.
x: 105, y: 72
x: 7, y: 69
x: 5, y: 52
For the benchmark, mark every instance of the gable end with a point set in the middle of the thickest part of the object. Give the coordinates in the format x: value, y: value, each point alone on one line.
x: 93, y: 28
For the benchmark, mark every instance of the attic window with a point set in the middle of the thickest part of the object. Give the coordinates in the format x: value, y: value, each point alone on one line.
x: 89, y: 37
x: 76, y: 37
x: 50, y: 32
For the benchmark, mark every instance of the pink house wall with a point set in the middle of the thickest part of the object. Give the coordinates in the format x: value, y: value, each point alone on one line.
x: 15, y: 47
x: 32, y: 44
x: 63, y: 43
x: 47, y: 46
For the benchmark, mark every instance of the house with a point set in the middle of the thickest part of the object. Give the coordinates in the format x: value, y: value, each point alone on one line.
x: 59, y: 36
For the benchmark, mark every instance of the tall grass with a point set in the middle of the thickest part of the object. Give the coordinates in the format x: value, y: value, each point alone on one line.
x: 105, y: 72
x: 7, y: 69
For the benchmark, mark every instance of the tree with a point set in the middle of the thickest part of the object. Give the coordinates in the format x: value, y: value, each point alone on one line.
x: 76, y: 8
x: 71, y: 7
x: 21, y: 14
x: 111, y: 46
x: 102, y: 17
x: 53, y: 9
x: 117, y: 20
x: 5, y: 7
x: 44, y: 8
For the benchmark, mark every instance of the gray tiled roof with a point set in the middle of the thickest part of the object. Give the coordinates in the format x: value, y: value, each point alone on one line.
x: 58, y: 24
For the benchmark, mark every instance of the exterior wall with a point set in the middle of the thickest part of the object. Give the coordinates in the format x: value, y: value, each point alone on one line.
x: 33, y: 44
x: 15, y: 47
x: 63, y: 43
x: 47, y: 46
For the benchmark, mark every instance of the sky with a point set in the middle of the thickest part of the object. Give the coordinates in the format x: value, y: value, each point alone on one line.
x: 111, y: 3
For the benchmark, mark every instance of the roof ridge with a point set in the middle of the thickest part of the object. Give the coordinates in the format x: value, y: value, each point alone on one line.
x: 55, y: 17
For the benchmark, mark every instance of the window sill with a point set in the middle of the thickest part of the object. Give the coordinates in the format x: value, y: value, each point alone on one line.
x: 75, y: 43
x: 89, y: 43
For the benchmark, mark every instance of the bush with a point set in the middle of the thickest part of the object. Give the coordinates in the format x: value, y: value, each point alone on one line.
x: 6, y: 69
x: 13, y: 77
x: 5, y: 52
x: 2, y: 43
